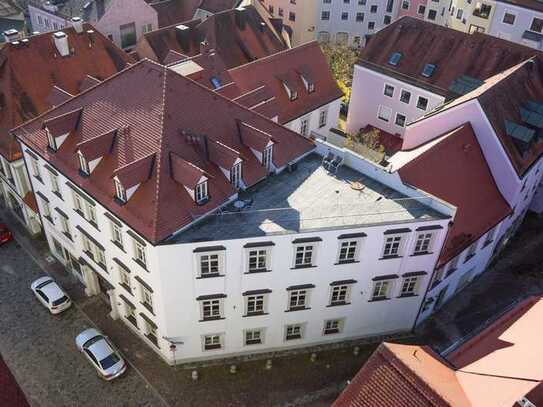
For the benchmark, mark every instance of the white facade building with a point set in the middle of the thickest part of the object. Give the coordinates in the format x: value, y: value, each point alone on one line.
x: 523, y: 25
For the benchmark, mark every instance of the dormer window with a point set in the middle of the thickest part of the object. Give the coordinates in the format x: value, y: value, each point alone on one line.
x: 292, y: 94
x: 201, y: 195
x: 428, y: 70
x: 51, y: 140
x: 310, y: 87
x: 120, y: 192
x: 267, y: 158
x: 235, y: 175
x: 83, y: 164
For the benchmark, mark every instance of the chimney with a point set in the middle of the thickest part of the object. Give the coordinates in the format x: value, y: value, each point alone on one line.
x: 25, y: 42
x: 11, y: 35
x: 90, y: 34
x: 182, y: 33
x: 205, y: 48
x: 240, y: 17
x: 61, y: 42
x: 262, y: 25
x: 77, y: 23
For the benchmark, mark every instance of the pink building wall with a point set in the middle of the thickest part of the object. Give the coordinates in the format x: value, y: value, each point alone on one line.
x: 413, y: 8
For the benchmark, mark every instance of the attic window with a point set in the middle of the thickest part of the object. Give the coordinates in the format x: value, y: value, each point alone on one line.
x: 428, y: 70
x: 120, y: 192
x: 308, y: 83
x: 83, y: 164
x: 51, y: 140
x: 216, y: 82
x: 292, y: 94
x: 201, y: 195
x: 394, y: 59
x: 235, y: 175
x: 267, y: 158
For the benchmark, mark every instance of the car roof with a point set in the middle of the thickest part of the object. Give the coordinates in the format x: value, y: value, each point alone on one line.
x: 101, y: 349
x: 52, y: 291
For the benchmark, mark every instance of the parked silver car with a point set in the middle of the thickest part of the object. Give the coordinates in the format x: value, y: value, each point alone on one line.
x: 49, y: 293
x: 101, y: 353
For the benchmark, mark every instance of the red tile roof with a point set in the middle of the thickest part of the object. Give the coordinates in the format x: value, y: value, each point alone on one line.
x: 237, y: 36
x: 497, y: 367
x: 162, y: 114
x: 174, y: 11
x: 29, y: 74
x: 454, y: 53
x: 215, y: 6
x: 290, y: 66
x: 460, y: 176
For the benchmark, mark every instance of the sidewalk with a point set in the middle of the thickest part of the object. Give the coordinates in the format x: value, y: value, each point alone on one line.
x: 293, y: 380
x: 10, y: 392
x: 515, y: 275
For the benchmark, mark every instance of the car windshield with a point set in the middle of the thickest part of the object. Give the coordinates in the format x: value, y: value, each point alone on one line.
x: 44, y: 283
x: 61, y: 300
x: 109, y: 361
x: 91, y: 341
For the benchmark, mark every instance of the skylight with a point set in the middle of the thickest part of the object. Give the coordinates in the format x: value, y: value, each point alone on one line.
x: 428, y: 70
x: 394, y: 59
x: 519, y: 132
x: 216, y: 82
x: 531, y: 118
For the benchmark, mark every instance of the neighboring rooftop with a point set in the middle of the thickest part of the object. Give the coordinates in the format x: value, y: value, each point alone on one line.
x: 309, y: 199
x: 444, y: 54
x: 174, y: 11
x: 88, y: 10
x: 460, y: 176
x: 140, y: 124
x: 30, y: 71
x: 498, y: 367
x: 239, y: 36
x: 303, y: 70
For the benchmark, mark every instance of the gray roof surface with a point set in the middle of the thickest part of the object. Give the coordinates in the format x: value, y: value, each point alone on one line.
x: 309, y: 199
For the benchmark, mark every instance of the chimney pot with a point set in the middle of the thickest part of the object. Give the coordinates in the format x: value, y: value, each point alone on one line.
x: 11, y: 35
x: 77, y: 23
x: 61, y: 43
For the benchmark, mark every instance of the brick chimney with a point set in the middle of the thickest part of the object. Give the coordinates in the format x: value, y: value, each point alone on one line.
x: 77, y: 23
x: 11, y: 35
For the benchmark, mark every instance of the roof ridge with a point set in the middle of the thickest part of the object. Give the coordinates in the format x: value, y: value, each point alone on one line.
x: 271, y: 57
x: 159, y: 152
x: 107, y: 80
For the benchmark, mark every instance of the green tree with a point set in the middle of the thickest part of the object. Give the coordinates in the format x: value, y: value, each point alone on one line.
x: 341, y: 59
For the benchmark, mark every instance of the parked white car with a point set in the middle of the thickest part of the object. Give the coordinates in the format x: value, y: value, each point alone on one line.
x: 51, y: 295
x: 101, y: 353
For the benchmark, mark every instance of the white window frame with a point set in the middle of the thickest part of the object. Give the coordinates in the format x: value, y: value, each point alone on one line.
x: 35, y: 168
x: 146, y: 296
x: 209, y: 258
x: 120, y: 191
x: 46, y: 209
x: 382, y: 109
x: 215, y: 339
x: 513, y: 14
x: 258, y: 253
x: 116, y: 233
x: 305, y: 250
x: 388, y: 85
x: 301, y: 298
x: 201, y: 192
x: 259, y: 303
x: 404, y: 121
x: 65, y: 225
x: 340, y: 291
x: 391, y: 252
x: 55, y: 187
x: 304, y: 125
x: 333, y: 326
x: 377, y: 288
x: 410, y: 286
x: 215, y: 304
x: 471, y: 251
x: 295, y: 329
x: 139, y: 252
x: 323, y: 117
x: 267, y: 157
x: 350, y: 256
x: 427, y: 102
x: 235, y: 176
x: 124, y: 277
x: 260, y: 333
x: 83, y: 163
x: 78, y: 202
x: 426, y: 240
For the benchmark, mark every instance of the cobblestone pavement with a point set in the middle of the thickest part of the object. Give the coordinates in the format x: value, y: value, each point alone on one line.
x: 516, y: 274
x: 39, y: 348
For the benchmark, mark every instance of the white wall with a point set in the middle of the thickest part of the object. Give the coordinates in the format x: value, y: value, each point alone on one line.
x: 43, y: 21
x: 332, y: 120
x: 368, y: 94
x: 523, y: 21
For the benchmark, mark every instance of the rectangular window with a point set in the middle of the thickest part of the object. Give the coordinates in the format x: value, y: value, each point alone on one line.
x: 389, y: 90
x: 258, y: 260
x: 211, y: 309
x: 83, y: 164
x: 235, y: 175
x: 340, y: 295
x: 116, y: 234
x: 421, y: 9
x: 65, y: 226
x: 453, y: 265
x: 348, y: 251
x: 100, y: 256
x: 130, y: 314
x: 304, y: 126
x: 124, y: 279
x: 139, y: 253
x: 120, y: 192
x: 323, y: 118
x: 392, y: 246
x: 509, y: 18
x: 267, y: 158
x: 405, y: 96
x: 409, y: 286
x: 212, y: 342
x: 304, y: 256
x: 46, y: 210
x: 78, y: 202
x: 400, y: 120
x: 54, y: 183
x: 490, y: 235
x: 471, y: 251
x: 293, y: 332
x: 35, y: 168
x: 147, y: 298
x: 297, y: 300
x: 325, y: 15
x: 255, y: 304
x: 381, y: 290
x: 201, y: 192
x: 91, y: 213
x: 209, y: 265
x: 254, y: 336
x: 128, y: 35
x: 333, y: 326
x: 422, y: 103
x: 384, y: 113
x: 423, y: 243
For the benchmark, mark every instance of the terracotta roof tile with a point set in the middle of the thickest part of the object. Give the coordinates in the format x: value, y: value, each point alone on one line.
x: 88, y: 82
x: 237, y: 36
x: 185, y: 172
x: 58, y: 96
x: 136, y: 172
x: 150, y: 102
x: 63, y: 124
x: 455, y: 53
x: 98, y: 146
x: 289, y: 66
x: 29, y: 74
x: 461, y: 177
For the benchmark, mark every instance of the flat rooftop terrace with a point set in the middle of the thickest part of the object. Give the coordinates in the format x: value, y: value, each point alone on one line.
x: 308, y: 199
